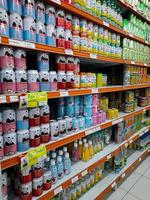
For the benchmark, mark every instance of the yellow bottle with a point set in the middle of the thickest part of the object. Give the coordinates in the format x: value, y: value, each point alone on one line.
x: 85, y: 154
x: 91, y: 150
x: 80, y: 149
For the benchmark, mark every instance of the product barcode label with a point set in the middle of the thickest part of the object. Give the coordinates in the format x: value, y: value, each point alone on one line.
x: 73, y: 180
x: 132, y: 62
x: 109, y: 157
x: 2, y: 99
x: 14, y: 98
x: 84, y: 173
x: 58, y: 190
x: 94, y: 90
x: 69, y: 52
x: 117, y: 121
x: 64, y: 93
x: 123, y: 175
x: 93, y: 55
x: 105, y: 24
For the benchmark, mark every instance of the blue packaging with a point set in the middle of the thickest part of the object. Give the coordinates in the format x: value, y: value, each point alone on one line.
x: 44, y: 87
x: 23, y: 143
x: 16, y: 26
x: 43, y: 62
x: 77, y: 100
x: 4, y: 23
x: 88, y: 122
x: 29, y: 30
x: 76, y: 110
x: 87, y: 111
x: 50, y: 15
x: 81, y: 111
x: 81, y: 122
x: 44, y: 81
x: 22, y: 119
x: 40, y: 33
x: 88, y: 100
x: 70, y: 110
x: 40, y: 11
x: 61, y: 101
x: 67, y: 163
x: 75, y: 124
x: 50, y: 35
x: 60, y: 167
x: 69, y: 101
x: 3, y: 4
x: 15, y: 6
x: 28, y: 8
x: 61, y: 111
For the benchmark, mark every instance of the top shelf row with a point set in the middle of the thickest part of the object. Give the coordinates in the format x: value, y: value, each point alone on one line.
x: 19, y: 22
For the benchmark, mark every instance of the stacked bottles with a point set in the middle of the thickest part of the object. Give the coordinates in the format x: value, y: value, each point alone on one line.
x: 135, y: 51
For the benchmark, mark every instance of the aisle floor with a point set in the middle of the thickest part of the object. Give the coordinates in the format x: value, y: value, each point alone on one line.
x: 136, y: 186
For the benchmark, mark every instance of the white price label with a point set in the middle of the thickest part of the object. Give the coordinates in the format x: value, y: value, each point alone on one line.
x: 69, y: 52
x: 113, y: 185
x: 109, y: 157
x: 123, y: 175
x: 93, y: 55
x: 148, y: 150
x: 84, y: 173
x: 58, y: 190
x: 117, y: 121
x: 2, y: 99
x: 42, y: 103
x: 21, y: 43
x: 145, y: 64
x: 146, y: 42
x: 140, y: 159
x: 73, y: 180
x: 93, y: 130
x: 131, y: 141
x: 144, y: 110
x: 141, y: 134
x: 132, y: 62
x: 130, y: 34
x: 94, y: 90
x: 146, y: 130
x: 126, y: 145
x: 105, y: 24
x: 97, y: 128
x: 64, y: 93
x: 57, y: 1
x: 14, y: 98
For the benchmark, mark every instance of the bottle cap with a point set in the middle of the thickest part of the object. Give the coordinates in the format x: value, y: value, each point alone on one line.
x: 60, y: 153
x: 85, y: 144
x: 84, y: 140
x: 75, y: 144
x: 80, y: 142
x: 59, y: 159
x: 52, y: 162
x: 67, y: 155
x: 53, y: 155
x: 90, y: 142
x: 65, y: 149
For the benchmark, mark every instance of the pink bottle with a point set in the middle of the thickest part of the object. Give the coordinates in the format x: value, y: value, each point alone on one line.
x: 75, y: 153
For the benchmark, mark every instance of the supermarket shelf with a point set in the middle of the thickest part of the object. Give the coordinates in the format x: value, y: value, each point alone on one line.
x: 130, y: 8
x: 81, y: 168
x: 56, y: 50
x: 75, y: 92
x: 74, y: 10
x: 101, y: 189
x: 15, y: 159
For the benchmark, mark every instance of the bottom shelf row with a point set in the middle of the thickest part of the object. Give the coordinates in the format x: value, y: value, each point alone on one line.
x: 57, y: 178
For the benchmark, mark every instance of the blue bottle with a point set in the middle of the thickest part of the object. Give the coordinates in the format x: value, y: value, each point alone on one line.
x: 40, y: 33
x: 40, y: 11
x: 4, y: 22
x: 29, y: 8
x: 50, y: 15
x: 23, y: 140
x: 29, y: 31
x: 43, y: 62
x: 53, y: 169
x: 22, y: 121
x: 3, y: 4
x: 15, y: 6
x: 60, y: 167
x: 67, y: 164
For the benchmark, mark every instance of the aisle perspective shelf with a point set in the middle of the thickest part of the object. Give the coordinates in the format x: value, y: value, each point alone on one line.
x: 100, y: 190
x: 15, y: 159
x: 56, y: 50
x: 78, y: 171
x: 75, y: 92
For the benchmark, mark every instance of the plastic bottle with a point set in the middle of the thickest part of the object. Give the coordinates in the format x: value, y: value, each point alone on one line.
x: 60, y: 167
x: 54, y: 155
x: 60, y: 153
x: 91, y: 150
x: 85, y: 154
x: 67, y: 163
x: 75, y: 153
x: 64, y: 150
x: 80, y: 149
x: 53, y: 169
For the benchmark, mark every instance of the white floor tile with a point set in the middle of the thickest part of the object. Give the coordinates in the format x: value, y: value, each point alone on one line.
x: 141, y: 189
x: 130, y: 181
x: 117, y: 195
x: 143, y: 166
x: 147, y: 173
x: 129, y: 197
